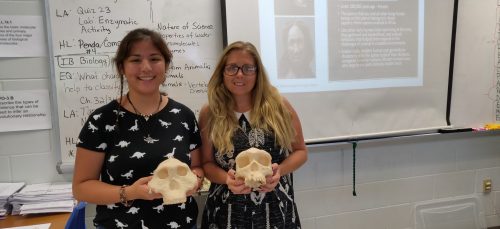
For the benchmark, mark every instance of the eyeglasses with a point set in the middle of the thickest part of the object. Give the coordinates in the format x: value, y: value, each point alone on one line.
x: 233, y: 69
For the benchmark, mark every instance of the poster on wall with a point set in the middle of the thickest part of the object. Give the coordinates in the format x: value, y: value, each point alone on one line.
x: 24, y: 110
x: 22, y: 36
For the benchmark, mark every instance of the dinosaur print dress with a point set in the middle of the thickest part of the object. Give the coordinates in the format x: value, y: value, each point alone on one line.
x: 133, y: 148
x: 276, y: 209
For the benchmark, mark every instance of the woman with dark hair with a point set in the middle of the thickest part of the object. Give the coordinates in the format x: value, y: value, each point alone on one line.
x: 297, y: 60
x: 244, y: 110
x: 122, y: 143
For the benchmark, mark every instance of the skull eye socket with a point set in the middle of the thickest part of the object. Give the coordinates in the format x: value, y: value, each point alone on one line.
x: 163, y: 174
x: 182, y: 171
x: 242, y: 161
x: 263, y: 160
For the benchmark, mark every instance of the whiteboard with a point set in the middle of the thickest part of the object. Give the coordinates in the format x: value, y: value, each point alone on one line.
x: 475, y: 90
x: 83, y: 38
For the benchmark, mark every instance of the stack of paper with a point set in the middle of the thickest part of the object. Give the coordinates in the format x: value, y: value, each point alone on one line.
x: 6, y: 191
x: 43, y: 198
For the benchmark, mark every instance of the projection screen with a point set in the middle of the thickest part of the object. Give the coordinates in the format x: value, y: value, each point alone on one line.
x: 353, y: 69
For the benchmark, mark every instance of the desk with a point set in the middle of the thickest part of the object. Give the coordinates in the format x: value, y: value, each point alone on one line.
x: 56, y: 220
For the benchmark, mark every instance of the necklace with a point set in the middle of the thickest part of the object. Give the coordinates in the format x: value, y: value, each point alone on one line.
x: 145, y: 116
x: 147, y: 139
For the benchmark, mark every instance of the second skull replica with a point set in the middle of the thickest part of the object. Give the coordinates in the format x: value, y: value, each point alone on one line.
x: 253, y: 165
x: 173, y: 179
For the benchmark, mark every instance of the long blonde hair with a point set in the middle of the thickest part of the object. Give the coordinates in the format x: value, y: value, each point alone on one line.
x: 268, y: 112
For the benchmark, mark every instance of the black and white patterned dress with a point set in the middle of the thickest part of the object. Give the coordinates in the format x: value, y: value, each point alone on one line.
x: 276, y: 209
x: 133, y: 149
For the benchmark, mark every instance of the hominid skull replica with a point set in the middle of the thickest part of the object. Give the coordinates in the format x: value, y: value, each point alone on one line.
x: 253, y: 165
x: 173, y: 179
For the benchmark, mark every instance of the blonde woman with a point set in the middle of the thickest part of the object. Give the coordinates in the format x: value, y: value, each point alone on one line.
x: 244, y: 110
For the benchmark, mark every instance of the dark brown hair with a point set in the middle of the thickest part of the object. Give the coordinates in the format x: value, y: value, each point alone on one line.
x: 135, y: 36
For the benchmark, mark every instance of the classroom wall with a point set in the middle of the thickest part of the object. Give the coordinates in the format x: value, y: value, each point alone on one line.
x: 394, y: 175
x: 26, y: 155
x: 391, y: 175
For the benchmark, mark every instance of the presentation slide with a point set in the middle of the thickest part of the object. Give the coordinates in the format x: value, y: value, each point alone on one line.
x: 353, y: 68
x: 369, y: 45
